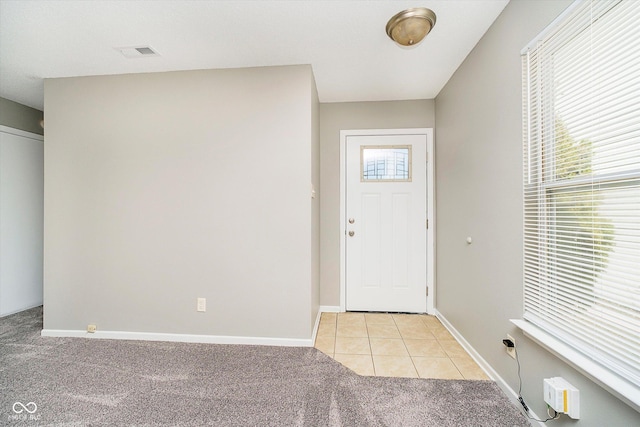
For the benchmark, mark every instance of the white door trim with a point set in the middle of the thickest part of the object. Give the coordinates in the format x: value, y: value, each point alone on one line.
x: 430, y: 261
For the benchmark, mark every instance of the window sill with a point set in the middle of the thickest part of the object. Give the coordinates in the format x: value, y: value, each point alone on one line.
x: 613, y: 383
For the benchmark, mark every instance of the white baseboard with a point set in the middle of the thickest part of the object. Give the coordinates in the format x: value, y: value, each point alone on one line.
x: 486, y: 367
x: 20, y: 132
x: 154, y: 336
x: 189, y: 338
x: 330, y: 309
x: 315, y: 327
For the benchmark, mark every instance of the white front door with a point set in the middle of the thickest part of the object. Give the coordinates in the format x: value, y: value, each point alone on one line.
x: 386, y: 222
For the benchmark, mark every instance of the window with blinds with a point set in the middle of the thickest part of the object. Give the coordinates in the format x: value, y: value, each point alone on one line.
x: 581, y: 93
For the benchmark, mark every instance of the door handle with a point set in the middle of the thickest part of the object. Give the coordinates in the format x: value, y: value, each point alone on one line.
x: 351, y: 220
x: 351, y: 233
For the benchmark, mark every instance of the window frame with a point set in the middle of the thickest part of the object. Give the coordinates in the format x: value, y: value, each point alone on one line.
x: 539, y: 186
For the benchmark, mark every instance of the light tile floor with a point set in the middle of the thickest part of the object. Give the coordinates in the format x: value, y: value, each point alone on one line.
x: 395, y: 345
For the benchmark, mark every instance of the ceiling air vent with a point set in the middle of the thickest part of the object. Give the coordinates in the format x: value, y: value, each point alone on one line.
x: 137, y: 51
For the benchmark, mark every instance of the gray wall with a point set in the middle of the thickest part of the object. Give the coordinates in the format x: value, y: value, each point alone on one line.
x: 335, y: 117
x: 21, y: 197
x: 479, y: 194
x: 161, y: 188
x: 20, y: 116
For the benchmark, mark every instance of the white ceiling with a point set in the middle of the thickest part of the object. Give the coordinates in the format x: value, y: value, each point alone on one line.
x: 344, y: 41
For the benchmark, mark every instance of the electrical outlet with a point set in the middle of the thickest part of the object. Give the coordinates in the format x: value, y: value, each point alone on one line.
x: 202, y: 304
x: 511, y: 351
x: 91, y: 328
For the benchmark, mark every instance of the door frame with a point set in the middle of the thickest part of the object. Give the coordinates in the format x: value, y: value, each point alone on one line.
x: 431, y: 199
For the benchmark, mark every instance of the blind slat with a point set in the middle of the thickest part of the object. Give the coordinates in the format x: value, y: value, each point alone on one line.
x: 581, y: 163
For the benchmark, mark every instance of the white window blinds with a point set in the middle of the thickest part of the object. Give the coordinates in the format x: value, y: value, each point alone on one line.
x: 581, y: 92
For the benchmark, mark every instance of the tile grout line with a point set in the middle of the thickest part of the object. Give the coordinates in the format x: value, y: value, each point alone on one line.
x: 335, y: 333
x: 405, y: 347
x: 449, y: 357
x: 373, y: 364
x: 411, y: 357
x: 457, y: 369
x: 335, y: 337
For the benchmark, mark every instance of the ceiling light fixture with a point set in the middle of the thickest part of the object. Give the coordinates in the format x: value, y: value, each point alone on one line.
x: 410, y: 26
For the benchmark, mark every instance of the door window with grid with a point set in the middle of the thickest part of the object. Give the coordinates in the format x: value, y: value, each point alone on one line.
x: 385, y: 163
